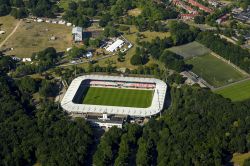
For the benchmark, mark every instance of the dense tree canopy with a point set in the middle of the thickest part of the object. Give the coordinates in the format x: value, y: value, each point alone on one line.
x: 40, y: 8
x: 28, y: 135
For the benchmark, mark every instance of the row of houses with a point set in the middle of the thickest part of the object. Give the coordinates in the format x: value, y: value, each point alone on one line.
x: 214, y: 3
x: 184, y: 6
x: 53, y: 21
x: 200, y: 6
x: 241, y: 15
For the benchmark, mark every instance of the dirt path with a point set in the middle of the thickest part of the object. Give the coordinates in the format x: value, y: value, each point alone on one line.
x: 14, y: 30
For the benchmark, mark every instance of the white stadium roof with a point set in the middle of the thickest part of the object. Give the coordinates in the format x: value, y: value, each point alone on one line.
x: 156, y: 106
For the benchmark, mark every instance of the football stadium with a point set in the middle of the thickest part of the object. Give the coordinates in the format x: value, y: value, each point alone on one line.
x: 108, y: 100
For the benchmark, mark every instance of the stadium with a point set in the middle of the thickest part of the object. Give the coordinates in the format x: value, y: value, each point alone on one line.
x: 108, y: 100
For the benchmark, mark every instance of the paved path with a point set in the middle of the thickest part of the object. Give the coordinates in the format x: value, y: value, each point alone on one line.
x: 14, y: 30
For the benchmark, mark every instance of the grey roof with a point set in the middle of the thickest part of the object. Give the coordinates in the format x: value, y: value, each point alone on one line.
x: 156, y: 106
x: 77, y: 32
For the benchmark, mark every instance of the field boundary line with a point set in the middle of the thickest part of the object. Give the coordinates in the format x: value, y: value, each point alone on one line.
x: 230, y: 63
x: 231, y: 84
x: 13, y: 31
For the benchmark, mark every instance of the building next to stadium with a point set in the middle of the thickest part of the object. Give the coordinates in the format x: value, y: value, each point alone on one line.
x: 108, y: 116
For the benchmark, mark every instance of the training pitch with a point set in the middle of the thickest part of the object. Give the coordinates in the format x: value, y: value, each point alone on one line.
x: 236, y: 92
x: 214, y: 71
x: 190, y: 50
x: 118, y: 97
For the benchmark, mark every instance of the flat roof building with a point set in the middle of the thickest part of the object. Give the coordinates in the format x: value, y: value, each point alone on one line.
x: 77, y: 34
x: 117, y: 44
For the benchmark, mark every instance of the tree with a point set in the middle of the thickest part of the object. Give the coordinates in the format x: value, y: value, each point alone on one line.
x: 48, y: 89
x: 19, y: 13
x: 76, y: 52
x: 27, y: 85
x: 136, y: 60
x: 108, y: 147
x: 199, y: 19
x: 4, y: 9
x: 121, y: 56
x: 172, y: 61
x: 139, y: 58
x: 247, y: 162
x: 6, y: 63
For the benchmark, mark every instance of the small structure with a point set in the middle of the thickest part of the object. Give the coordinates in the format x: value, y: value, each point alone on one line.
x: 214, y: 3
x: 88, y: 54
x: 68, y: 49
x: 2, y: 32
x: 77, y: 34
x: 62, y: 22
x: 117, y: 44
x: 16, y: 58
x: 26, y: 59
x: 222, y: 19
x: 69, y: 24
x: 53, y: 38
x: 54, y: 22
x: 188, y: 16
x: 39, y: 20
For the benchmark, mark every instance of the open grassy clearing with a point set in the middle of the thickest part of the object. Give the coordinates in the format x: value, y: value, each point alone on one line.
x: 7, y: 24
x: 33, y: 37
x: 118, y: 97
x: 132, y: 36
x: 190, y: 50
x: 214, y: 70
x: 64, y: 3
x: 134, y: 12
x: 236, y: 92
x: 238, y: 159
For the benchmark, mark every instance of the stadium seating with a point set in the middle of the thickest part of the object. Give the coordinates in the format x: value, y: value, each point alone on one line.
x: 121, y: 84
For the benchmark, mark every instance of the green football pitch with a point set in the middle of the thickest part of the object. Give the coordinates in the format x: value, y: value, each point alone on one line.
x: 118, y: 97
x: 214, y: 71
x: 236, y: 92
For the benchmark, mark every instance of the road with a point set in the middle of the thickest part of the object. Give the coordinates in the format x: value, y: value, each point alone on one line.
x: 14, y: 30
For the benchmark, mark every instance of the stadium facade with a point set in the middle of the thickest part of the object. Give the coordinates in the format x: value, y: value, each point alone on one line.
x: 107, y: 116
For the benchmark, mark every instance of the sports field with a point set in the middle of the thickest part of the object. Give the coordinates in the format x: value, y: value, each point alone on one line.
x: 118, y: 97
x: 236, y: 92
x: 214, y: 71
x: 190, y: 50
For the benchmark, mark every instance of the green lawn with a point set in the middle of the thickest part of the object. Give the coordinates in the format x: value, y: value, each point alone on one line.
x: 118, y: 97
x: 214, y: 71
x: 238, y: 159
x: 236, y: 92
x: 190, y: 50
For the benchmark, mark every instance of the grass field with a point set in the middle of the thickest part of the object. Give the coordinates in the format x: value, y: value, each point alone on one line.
x: 190, y: 50
x: 34, y: 37
x: 214, y: 70
x: 134, y: 12
x: 118, y: 97
x: 236, y: 92
x: 238, y: 159
x: 7, y: 24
